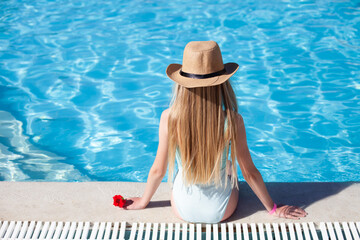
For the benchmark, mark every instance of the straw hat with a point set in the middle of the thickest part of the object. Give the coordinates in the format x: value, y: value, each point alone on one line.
x: 202, y: 66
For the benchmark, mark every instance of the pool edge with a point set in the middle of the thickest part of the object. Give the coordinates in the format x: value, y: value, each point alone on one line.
x: 92, y: 201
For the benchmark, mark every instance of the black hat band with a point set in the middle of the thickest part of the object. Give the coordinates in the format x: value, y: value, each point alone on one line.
x: 202, y: 76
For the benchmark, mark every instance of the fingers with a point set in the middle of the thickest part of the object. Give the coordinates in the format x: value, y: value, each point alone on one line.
x: 129, y: 207
x: 300, y: 212
x: 291, y: 212
x: 128, y: 204
x: 133, y: 204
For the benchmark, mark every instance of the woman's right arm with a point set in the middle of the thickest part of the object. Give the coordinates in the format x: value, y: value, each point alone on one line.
x: 254, y: 179
x: 158, y: 169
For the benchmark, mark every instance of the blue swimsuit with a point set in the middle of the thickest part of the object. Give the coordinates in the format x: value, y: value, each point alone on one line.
x: 199, y: 202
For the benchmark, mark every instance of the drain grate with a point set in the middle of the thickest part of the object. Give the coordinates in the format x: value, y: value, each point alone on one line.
x: 178, y: 231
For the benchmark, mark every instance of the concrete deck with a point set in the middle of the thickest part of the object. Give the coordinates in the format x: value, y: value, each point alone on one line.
x: 92, y: 201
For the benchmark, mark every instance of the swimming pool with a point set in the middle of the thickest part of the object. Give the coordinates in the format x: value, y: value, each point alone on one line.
x: 83, y: 84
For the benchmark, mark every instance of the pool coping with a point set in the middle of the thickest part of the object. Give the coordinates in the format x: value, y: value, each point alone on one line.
x: 92, y: 201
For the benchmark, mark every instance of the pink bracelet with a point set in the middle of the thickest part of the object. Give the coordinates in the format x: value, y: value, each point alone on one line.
x: 273, y: 210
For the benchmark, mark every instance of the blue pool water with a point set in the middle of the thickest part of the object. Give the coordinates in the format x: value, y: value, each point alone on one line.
x: 83, y: 84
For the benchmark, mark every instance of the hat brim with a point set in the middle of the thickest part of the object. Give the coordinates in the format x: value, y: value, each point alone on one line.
x: 173, y: 72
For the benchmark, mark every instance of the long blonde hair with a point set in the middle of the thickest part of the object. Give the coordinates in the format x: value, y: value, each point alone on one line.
x: 196, y: 128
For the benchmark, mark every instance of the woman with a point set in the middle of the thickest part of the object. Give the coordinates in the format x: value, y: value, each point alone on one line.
x: 198, y: 132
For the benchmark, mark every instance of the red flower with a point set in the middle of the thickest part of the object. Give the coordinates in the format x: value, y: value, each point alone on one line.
x: 119, y: 201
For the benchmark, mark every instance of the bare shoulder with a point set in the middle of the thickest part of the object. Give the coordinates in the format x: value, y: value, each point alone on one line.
x: 164, y: 120
x: 165, y: 114
x: 239, y: 120
x: 240, y: 126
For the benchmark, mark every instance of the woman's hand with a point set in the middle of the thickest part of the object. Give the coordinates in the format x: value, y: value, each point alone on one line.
x: 292, y: 212
x: 134, y: 203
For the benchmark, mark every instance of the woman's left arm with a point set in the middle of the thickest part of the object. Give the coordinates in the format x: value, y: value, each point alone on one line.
x: 254, y: 179
x: 158, y: 169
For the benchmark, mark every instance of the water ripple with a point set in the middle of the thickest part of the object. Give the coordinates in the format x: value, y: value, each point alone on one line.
x: 83, y: 84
